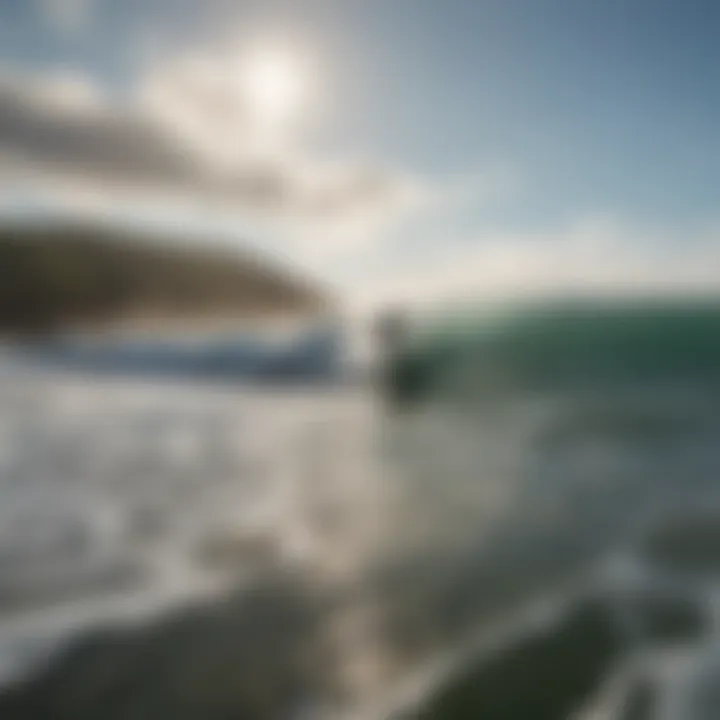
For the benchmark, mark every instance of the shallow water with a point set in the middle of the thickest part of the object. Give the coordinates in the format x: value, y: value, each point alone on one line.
x: 538, y: 555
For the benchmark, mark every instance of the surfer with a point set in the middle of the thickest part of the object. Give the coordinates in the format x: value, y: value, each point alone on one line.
x: 391, y: 331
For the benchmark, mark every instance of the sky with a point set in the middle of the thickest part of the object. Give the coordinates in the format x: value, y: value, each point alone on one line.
x: 400, y: 149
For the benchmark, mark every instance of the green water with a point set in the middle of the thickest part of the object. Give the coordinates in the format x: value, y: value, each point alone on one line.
x: 546, y: 345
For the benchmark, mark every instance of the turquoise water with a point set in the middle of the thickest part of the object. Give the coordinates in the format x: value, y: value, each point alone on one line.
x: 563, y: 344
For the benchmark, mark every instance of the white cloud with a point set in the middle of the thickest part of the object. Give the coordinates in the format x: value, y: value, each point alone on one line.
x: 593, y: 255
x: 183, y: 134
x: 185, y: 142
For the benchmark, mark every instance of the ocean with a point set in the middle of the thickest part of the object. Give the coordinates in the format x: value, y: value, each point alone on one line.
x: 533, y: 532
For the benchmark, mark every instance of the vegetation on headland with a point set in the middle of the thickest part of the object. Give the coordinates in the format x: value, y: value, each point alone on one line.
x: 60, y: 276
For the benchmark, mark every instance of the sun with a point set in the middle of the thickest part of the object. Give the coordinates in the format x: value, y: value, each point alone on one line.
x: 274, y: 82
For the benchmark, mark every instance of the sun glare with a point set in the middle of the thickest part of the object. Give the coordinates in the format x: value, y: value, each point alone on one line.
x: 274, y: 81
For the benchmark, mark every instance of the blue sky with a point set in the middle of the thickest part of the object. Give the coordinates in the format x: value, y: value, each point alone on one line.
x: 517, y: 124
